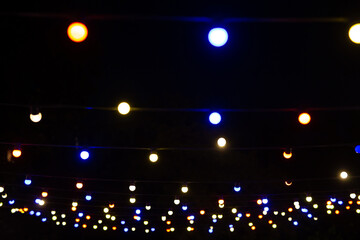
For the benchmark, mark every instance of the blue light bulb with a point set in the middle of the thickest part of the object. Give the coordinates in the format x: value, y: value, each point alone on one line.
x: 27, y: 182
x: 84, y: 155
x: 218, y: 37
x: 215, y: 118
x: 88, y: 197
x: 357, y: 149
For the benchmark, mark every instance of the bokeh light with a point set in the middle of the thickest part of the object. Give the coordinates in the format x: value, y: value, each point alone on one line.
x: 124, y: 108
x: 153, y: 157
x: 16, y: 153
x: 343, y: 175
x: 354, y: 33
x: 304, y: 118
x: 215, y: 118
x: 218, y: 37
x: 84, y: 155
x: 36, y: 117
x: 77, y: 32
x: 221, y: 142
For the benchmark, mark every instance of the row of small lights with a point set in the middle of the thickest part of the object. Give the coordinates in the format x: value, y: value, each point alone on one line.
x: 218, y: 37
x: 329, y: 206
x: 124, y: 109
x: 214, y: 117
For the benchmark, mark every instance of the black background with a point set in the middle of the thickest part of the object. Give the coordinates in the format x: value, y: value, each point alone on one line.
x: 132, y: 56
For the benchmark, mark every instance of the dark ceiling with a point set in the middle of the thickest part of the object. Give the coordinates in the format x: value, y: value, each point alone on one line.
x: 260, y: 81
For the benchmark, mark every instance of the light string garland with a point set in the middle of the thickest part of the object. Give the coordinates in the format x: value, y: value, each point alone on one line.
x: 297, y: 212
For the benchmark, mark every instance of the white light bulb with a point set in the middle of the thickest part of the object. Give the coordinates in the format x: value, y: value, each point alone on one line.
x: 124, y: 108
x: 221, y: 142
x: 35, y: 117
x: 218, y: 37
x: 153, y: 157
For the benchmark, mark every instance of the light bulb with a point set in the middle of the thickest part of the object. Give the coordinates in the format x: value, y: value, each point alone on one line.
x: 77, y: 32
x: 124, y: 108
x: 218, y: 37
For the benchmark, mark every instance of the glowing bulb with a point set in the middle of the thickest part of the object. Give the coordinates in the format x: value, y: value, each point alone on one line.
x: 132, y: 187
x: 2, y: 189
x: 202, y: 212
x: 77, y: 32
x: 184, y: 189
x: 221, y: 201
x: 44, y: 194
x: 153, y: 157
x: 215, y: 118
x: 84, y: 155
x: 124, y: 108
x: 221, y: 142
x: 106, y: 210
x: 234, y: 210
x: 184, y: 208
x: 218, y: 37
x: 343, y: 175
x: 147, y: 207
x: 237, y: 188
x: 287, y: 155
x: 265, y: 201
x: 176, y: 201
x: 27, y: 182
x: 16, y: 153
x: 79, y: 185
x: 304, y: 118
x: 308, y: 198
x: 35, y: 117
x: 357, y: 149
x: 132, y: 200
x: 352, y: 195
x: 288, y: 183
x: 259, y: 201
x: 88, y: 197
x: 170, y: 212
x: 354, y: 33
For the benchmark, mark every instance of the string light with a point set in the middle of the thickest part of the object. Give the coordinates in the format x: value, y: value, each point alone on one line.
x: 16, y: 152
x: 354, y: 33
x: 79, y: 185
x: 44, y: 194
x: 221, y: 142
x: 304, y: 118
x: 215, y: 118
x: 77, y: 32
x: 153, y: 157
x: 27, y: 181
x: 287, y: 154
x: 88, y: 197
x: 218, y: 37
x: 35, y: 118
x: 84, y: 155
x: 343, y: 175
x: 357, y: 149
x: 124, y: 108
x: 237, y: 188
x: 184, y: 189
x: 132, y: 187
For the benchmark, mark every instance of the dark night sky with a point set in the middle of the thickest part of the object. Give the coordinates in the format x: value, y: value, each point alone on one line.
x: 166, y: 64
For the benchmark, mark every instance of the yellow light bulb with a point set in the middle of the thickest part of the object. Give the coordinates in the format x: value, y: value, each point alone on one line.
x: 77, y: 32
x: 304, y: 118
x: 16, y: 153
x: 354, y: 33
x: 124, y: 108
